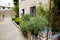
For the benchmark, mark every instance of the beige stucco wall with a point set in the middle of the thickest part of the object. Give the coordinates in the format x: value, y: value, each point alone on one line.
x: 26, y: 4
x: 7, y: 14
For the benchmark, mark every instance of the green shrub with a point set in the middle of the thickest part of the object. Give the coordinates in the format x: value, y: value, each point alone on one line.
x: 13, y: 18
x: 24, y: 23
x: 41, y: 10
x: 17, y: 19
x: 26, y: 17
x: 37, y: 24
x: 34, y: 25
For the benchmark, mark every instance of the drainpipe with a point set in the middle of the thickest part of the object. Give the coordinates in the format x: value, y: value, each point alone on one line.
x: 48, y: 20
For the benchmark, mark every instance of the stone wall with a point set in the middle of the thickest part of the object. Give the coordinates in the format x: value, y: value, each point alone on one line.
x: 26, y: 4
x: 40, y: 36
x: 6, y: 14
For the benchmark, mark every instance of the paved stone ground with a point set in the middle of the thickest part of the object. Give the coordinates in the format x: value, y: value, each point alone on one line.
x: 8, y: 31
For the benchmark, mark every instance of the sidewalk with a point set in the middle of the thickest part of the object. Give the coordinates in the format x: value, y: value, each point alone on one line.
x: 8, y: 31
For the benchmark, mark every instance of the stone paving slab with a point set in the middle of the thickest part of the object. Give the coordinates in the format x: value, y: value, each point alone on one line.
x: 8, y: 31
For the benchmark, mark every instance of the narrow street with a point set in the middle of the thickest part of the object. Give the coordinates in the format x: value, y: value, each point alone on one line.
x: 8, y: 31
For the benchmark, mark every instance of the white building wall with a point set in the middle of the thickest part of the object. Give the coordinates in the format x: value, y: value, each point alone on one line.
x: 26, y: 4
x: 6, y: 8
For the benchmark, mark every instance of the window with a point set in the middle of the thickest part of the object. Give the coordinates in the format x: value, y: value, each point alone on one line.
x: 23, y: 11
x: 8, y: 7
x: 22, y: 0
x: 33, y: 11
x: 3, y: 7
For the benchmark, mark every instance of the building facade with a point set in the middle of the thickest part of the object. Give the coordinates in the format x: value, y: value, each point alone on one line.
x: 6, y: 12
x: 5, y: 8
x: 30, y: 6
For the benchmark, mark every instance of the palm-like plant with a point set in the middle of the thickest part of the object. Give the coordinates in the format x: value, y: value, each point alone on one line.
x: 34, y: 25
x: 41, y: 10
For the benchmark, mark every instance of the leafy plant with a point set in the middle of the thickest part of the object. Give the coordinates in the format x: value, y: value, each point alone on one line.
x: 17, y: 19
x: 15, y: 0
x: 41, y: 10
x: 16, y: 7
x: 25, y: 22
x: 13, y: 18
x: 38, y: 24
x: 34, y: 25
x: 54, y: 2
x: 26, y: 17
x: 53, y: 13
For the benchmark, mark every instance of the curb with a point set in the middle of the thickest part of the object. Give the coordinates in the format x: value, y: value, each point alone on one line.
x: 16, y: 24
x: 18, y: 27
